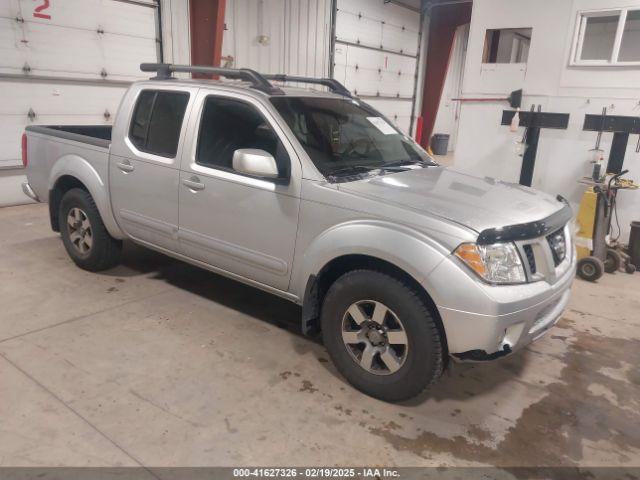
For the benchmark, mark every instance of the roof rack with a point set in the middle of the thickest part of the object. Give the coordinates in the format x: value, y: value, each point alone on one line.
x: 258, y: 81
x: 333, y: 85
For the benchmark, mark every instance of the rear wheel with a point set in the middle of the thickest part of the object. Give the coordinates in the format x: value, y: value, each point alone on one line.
x: 381, y: 335
x: 83, y: 233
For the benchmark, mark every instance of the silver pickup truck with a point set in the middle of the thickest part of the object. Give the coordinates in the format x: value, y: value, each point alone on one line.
x: 313, y: 195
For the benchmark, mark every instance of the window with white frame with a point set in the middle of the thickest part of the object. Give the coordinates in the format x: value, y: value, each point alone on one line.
x: 610, y: 37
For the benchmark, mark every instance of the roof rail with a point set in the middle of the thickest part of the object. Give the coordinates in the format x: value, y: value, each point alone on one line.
x: 258, y: 81
x: 333, y: 85
x: 164, y: 71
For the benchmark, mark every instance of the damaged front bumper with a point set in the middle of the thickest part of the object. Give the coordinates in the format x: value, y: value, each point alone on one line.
x: 523, y: 318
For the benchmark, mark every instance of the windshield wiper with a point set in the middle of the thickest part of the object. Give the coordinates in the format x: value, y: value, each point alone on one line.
x: 406, y: 163
x: 349, y: 170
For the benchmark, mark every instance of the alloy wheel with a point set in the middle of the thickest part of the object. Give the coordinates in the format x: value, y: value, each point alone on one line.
x: 375, y: 337
x: 80, y: 232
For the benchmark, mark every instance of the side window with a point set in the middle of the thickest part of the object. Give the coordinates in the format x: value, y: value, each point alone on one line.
x: 157, y: 120
x: 507, y: 45
x: 608, y: 37
x: 227, y: 125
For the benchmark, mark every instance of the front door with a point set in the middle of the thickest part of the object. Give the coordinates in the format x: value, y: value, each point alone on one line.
x: 241, y: 224
x: 144, y: 169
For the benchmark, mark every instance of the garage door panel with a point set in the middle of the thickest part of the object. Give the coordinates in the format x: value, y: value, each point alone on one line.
x: 350, y: 28
x: 13, y: 128
x: 375, y: 35
x: 372, y: 83
x: 85, y: 53
x: 58, y: 99
x: 364, y: 70
x: 398, y: 40
x: 376, y: 50
x: 374, y: 59
x: 112, y: 16
x: 53, y: 104
x: 380, y: 11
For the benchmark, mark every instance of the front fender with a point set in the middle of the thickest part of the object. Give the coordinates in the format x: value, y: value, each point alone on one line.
x: 412, y: 251
x: 79, y: 168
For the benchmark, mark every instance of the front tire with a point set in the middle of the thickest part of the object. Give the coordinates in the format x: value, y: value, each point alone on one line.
x: 83, y: 233
x: 381, y: 335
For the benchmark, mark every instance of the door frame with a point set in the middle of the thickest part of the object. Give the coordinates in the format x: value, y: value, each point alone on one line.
x: 189, y: 151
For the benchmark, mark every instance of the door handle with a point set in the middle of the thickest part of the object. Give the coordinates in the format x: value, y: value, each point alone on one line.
x: 125, y: 166
x: 193, y: 183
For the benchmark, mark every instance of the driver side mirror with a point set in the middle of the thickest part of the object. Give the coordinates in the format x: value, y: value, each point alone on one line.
x: 255, y: 162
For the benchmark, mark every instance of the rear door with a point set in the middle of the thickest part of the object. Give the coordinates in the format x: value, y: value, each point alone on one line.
x: 238, y: 223
x: 144, y: 168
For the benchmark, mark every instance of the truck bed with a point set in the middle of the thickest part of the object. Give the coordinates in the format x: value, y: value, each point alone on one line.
x: 98, y: 135
x: 80, y: 151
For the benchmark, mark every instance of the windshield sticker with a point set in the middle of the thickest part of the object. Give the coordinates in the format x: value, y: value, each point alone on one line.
x: 382, y: 125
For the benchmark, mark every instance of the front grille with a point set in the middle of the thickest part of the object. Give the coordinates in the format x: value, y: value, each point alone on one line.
x: 558, y: 245
x: 528, y: 250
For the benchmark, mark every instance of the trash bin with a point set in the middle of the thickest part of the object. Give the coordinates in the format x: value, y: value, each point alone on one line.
x: 634, y: 243
x: 440, y: 143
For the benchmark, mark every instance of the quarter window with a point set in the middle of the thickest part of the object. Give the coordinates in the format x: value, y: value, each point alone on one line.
x: 157, y: 120
x: 608, y: 38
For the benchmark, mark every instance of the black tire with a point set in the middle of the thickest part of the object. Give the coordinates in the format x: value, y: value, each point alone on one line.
x: 590, y: 268
x: 423, y: 360
x: 613, y: 261
x: 630, y: 268
x: 104, y: 252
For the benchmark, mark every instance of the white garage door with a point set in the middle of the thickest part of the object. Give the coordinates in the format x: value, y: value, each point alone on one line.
x: 376, y: 54
x: 68, y: 62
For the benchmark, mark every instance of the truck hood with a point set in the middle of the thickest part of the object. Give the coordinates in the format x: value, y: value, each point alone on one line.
x: 477, y: 203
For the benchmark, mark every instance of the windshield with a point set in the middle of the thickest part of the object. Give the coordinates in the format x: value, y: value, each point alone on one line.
x: 345, y: 137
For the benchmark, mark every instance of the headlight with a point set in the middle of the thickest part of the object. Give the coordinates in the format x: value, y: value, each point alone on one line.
x: 497, y: 263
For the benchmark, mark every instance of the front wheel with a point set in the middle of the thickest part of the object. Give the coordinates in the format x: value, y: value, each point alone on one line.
x: 381, y: 335
x: 83, y: 233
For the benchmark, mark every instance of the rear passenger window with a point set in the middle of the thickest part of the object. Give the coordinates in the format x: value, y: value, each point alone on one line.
x: 228, y: 125
x: 157, y: 120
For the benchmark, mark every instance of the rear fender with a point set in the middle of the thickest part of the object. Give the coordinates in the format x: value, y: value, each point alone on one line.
x: 79, y: 168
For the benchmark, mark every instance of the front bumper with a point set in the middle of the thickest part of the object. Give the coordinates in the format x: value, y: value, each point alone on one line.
x: 521, y: 314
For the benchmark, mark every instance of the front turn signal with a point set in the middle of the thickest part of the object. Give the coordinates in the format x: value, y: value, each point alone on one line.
x: 470, y: 255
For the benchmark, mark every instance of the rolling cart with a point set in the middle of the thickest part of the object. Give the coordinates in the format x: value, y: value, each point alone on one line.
x: 597, y: 208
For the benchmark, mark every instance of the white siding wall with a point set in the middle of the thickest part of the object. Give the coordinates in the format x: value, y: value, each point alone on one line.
x: 295, y: 36
x: 485, y: 147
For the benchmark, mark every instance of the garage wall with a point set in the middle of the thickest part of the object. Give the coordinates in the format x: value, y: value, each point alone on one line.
x: 449, y: 110
x: 278, y: 36
x: 67, y: 62
x: 175, y: 31
x: 376, y: 54
x: 485, y: 147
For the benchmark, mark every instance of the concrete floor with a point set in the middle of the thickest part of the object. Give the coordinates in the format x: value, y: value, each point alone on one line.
x: 161, y: 364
